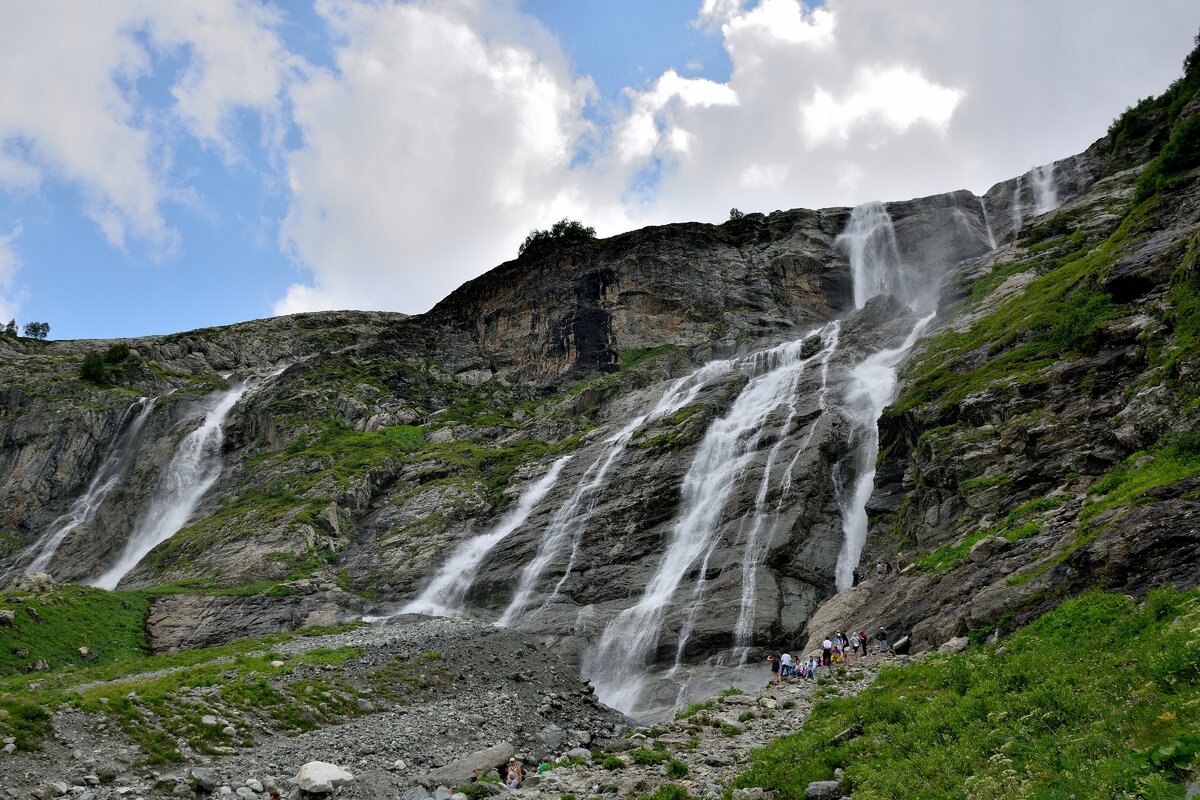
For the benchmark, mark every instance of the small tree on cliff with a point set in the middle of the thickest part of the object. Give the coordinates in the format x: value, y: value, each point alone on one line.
x: 11, y: 328
x: 564, y: 232
x: 37, y: 330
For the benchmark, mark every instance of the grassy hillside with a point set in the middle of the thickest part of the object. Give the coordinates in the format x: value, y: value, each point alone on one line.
x: 1098, y: 699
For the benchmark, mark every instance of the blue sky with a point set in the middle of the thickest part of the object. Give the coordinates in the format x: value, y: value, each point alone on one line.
x: 212, y: 161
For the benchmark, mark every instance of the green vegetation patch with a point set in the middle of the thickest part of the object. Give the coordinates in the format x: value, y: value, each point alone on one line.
x: 108, y: 624
x: 1098, y: 698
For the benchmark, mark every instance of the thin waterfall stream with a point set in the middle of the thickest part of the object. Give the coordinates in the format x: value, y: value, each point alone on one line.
x: 572, y: 517
x: 107, y: 477
x: 446, y: 593
x: 191, y: 472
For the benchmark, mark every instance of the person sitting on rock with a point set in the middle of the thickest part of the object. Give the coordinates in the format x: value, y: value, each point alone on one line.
x: 516, y: 776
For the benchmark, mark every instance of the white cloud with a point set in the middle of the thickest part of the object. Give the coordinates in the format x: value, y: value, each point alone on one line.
x: 74, y: 113
x: 897, y: 97
x: 445, y: 132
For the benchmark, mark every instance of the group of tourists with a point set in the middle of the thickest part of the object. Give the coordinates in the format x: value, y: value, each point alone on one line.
x: 838, y: 649
x: 883, y: 568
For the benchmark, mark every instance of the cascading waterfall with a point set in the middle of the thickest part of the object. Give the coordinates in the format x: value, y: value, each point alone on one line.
x: 617, y: 664
x: 872, y: 388
x: 1017, y: 218
x: 877, y: 268
x: 1044, y: 191
x: 192, y: 471
x: 572, y: 518
x: 756, y: 544
x: 111, y: 470
x: 987, y: 224
x: 446, y: 593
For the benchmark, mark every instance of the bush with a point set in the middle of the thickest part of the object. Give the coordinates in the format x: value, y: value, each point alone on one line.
x: 735, y: 214
x: 565, y: 231
x: 116, y: 353
x: 676, y: 769
x: 611, y: 762
x: 646, y: 757
x: 91, y: 369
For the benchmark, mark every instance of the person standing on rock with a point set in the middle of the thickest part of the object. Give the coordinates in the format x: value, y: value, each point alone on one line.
x: 774, y: 669
x: 854, y: 643
x: 785, y: 665
x: 880, y: 569
x: 883, y: 639
x: 826, y: 653
x: 857, y: 577
x: 515, y: 776
x: 862, y: 638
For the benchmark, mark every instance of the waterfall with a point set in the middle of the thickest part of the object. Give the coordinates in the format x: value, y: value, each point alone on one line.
x: 571, y: 519
x: 870, y: 243
x: 1017, y: 221
x: 444, y: 595
x: 193, y: 469
x: 756, y: 544
x: 1044, y: 191
x: 987, y: 224
x: 872, y: 388
x: 616, y: 664
x: 111, y: 470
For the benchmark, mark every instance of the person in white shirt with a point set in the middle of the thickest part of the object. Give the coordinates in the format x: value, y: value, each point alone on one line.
x: 785, y: 663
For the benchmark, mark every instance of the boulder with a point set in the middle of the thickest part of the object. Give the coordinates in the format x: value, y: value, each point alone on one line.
x: 552, y: 737
x: 7, y: 617
x: 33, y: 582
x: 823, y: 790
x: 458, y: 772
x: 321, y: 777
x: 204, y: 779
x: 987, y: 547
x: 955, y: 645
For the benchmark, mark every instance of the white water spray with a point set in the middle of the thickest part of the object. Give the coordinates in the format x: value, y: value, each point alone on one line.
x: 193, y: 469
x: 111, y: 470
x: 987, y: 224
x: 617, y: 664
x: 872, y: 389
x: 445, y: 595
x: 870, y: 243
x: 756, y: 544
x: 572, y: 518
x: 1044, y: 191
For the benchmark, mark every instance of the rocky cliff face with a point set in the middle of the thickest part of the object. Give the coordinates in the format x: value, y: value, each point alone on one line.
x: 711, y: 387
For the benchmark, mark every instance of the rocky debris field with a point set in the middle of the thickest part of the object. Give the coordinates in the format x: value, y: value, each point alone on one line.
x: 389, y: 702
x: 469, y: 696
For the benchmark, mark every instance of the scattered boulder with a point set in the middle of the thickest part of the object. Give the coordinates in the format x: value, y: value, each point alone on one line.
x: 458, y: 772
x: 7, y: 618
x: 987, y: 547
x: 823, y: 790
x: 321, y: 777
x: 204, y: 779
x: 955, y: 645
x: 33, y: 583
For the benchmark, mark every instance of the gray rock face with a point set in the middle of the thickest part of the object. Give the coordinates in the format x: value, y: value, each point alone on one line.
x: 182, y: 621
x: 462, y: 770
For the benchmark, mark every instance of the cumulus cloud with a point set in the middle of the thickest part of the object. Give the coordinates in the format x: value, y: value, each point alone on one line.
x: 75, y: 115
x: 443, y: 133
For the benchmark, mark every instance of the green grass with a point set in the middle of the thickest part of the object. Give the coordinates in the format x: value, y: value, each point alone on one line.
x: 1099, y: 698
x: 1014, y: 527
x: 109, y: 624
x: 646, y: 757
